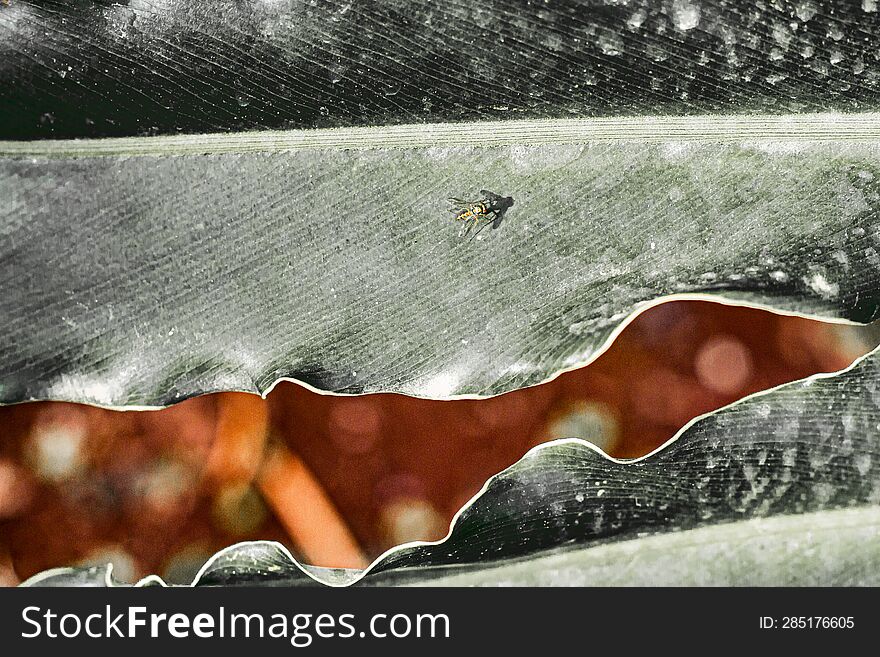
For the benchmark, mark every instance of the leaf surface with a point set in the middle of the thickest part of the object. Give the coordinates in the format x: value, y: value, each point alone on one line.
x: 90, y: 69
x: 141, y: 280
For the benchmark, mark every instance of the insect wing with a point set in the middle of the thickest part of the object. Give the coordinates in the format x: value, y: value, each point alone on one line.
x: 458, y: 207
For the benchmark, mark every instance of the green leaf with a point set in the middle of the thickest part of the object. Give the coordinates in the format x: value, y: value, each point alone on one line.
x: 88, y: 69
x: 657, y: 154
x: 229, y: 262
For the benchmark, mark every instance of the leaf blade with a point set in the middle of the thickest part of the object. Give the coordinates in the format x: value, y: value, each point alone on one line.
x: 341, y: 269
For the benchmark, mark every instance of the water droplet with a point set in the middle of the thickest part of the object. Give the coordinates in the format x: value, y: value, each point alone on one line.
x: 635, y: 21
x: 782, y: 35
x: 391, y: 89
x: 685, y: 15
x: 806, y: 10
x: 821, y: 286
x: 610, y: 44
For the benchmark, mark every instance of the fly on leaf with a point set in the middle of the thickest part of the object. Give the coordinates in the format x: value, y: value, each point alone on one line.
x: 486, y: 211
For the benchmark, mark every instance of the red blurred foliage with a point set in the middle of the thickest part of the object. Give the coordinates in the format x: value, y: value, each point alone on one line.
x: 162, y: 490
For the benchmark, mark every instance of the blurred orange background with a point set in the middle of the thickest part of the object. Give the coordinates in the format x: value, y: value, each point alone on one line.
x: 339, y: 480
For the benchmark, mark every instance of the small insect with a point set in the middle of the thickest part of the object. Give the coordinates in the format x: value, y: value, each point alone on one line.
x: 479, y: 214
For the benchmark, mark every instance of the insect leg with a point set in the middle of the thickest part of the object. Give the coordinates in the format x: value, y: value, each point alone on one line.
x: 468, y: 225
x: 480, y: 230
